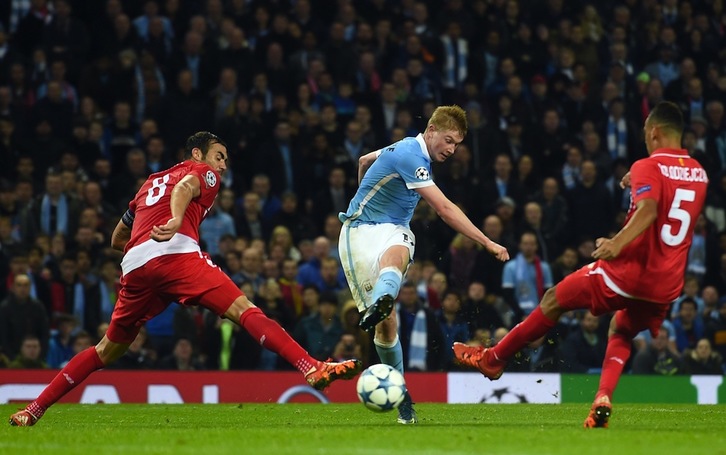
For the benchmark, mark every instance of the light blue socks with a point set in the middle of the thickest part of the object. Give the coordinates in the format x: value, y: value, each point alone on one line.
x: 390, y: 353
x: 389, y: 282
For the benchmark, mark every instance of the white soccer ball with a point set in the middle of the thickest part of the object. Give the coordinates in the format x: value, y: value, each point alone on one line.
x: 381, y: 388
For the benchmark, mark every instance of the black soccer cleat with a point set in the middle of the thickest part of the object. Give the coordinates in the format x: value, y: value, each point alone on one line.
x: 377, y: 312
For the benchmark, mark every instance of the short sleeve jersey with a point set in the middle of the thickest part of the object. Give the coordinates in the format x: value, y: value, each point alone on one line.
x: 652, y: 266
x: 151, y: 204
x: 387, y: 192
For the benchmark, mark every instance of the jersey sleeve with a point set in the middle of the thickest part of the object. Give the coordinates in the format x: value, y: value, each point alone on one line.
x: 209, y: 182
x: 414, y: 169
x: 645, y: 180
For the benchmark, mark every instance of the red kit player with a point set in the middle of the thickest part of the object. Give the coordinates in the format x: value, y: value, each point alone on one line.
x: 162, y: 262
x: 637, y: 273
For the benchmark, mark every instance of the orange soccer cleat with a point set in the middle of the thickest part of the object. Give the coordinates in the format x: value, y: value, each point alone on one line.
x: 23, y: 419
x: 479, y: 358
x: 321, y: 375
x: 599, y: 413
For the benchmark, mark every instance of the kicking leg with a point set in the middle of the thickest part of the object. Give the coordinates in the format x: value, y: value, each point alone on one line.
x: 491, y: 361
x: 75, y: 372
x: 273, y: 337
x: 392, y: 265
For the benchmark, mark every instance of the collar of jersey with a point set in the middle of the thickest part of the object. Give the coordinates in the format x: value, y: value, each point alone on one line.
x: 422, y: 143
x: 679, y: 153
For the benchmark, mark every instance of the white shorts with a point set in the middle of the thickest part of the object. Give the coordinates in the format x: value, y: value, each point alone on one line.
x: 361, y: 248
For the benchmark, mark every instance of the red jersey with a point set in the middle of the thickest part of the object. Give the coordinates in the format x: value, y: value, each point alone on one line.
x: 652, y: 266
x: 151, y: 208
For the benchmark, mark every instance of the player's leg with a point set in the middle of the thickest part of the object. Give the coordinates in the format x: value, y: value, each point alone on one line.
x: 388, y: 347
x: 74, y: 373
x: 576, y: 291
x: 624, y: 325
x: 136, y: 302
x: 392, y: 265
x: 273, y: 337
x: 491, y: 361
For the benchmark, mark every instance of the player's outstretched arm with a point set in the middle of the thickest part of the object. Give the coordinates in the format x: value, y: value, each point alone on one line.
x: 646, y: 212
x: 364, y: 162
x: 454, y: 217
x: 187, y: 189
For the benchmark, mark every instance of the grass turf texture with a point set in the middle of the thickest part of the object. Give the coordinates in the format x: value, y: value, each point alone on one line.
x: 342, y: 429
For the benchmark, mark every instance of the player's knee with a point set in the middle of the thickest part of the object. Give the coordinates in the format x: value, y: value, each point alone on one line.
x: 109, y: 351
x: 239, y: 306
x: 549, y: 305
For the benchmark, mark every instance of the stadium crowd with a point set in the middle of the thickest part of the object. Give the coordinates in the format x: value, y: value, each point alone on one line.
x: 95, y: 96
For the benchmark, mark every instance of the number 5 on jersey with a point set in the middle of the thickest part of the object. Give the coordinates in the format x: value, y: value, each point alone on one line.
x: 157, y: 190
x: 677, y: 213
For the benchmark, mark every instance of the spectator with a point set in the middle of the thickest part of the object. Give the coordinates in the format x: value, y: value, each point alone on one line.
x: 60, y: 347
x: 21, y: 315
x: 50, y: 213
x: 590, y: 204
x: 656, y: 357
x: 453, y: 326
x: 320, y: 332
x: 583, y: 351
x: 419, y: 331
x: 183, y: 358
x: 702, y: 359
x: 215, y: 225
x: 29, y: 356
x: 526, y: 278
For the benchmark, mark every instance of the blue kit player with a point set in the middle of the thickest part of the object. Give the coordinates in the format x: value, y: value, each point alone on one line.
x: 376, y: 243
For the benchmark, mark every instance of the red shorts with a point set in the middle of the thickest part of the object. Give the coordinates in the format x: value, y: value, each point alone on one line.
x: 583, y: 289
x: 188, y: 278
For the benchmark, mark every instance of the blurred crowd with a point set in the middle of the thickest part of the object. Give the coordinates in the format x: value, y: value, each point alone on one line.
x: 96, y: 95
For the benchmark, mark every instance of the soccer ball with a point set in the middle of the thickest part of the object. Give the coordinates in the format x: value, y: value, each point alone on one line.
x: 381, y: 388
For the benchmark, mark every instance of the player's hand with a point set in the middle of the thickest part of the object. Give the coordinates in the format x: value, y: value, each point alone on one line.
x: 498, y: 251
x: 606, y: 249
x: 165, y: 232
x: 625, y: 181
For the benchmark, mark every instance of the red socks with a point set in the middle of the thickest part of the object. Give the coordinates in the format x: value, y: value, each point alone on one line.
x: 533, y: 327
x: 273, y: 337
x: 616, y: 355
x: 75, y: 372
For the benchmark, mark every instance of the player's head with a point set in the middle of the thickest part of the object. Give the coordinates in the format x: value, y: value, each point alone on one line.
x: 663, y: 127
x: 445, y: 131
x: 200, y: 144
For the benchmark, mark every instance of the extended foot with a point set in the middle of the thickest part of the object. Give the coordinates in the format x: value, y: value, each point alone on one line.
x: 23, y: 419
x: 599, y: 413
x: 406, y: 413
x: 377, y: 312
x: 321, y: 375
x: 479, y: 358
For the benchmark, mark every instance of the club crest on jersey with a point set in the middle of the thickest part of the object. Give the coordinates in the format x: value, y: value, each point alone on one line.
x: 422, y: 173
x: 211, y: 179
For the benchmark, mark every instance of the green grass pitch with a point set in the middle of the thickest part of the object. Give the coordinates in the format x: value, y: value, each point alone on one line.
x: 343, y: 429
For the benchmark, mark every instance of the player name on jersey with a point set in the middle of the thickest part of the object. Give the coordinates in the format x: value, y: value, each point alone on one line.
x: 685, y: 174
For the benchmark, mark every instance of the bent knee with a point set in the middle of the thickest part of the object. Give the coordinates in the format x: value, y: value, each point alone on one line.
x: 109, y: 351
x: 239, y: 306
x: 549, y: 305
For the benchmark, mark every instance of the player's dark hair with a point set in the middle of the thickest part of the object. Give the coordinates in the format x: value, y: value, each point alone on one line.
x: 667, y: 116
x: 202, y: 140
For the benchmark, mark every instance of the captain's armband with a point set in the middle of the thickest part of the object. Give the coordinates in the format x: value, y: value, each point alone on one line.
x: 128, y: 218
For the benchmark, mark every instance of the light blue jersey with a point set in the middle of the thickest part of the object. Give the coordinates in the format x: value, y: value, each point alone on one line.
x: 387, y: 192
